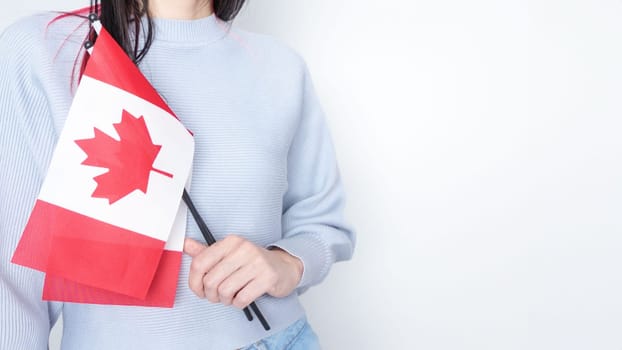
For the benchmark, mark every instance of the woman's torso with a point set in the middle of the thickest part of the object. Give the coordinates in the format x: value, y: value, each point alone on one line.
x: 239, y: 93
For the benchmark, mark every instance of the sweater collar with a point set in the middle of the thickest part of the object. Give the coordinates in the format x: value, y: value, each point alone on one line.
x: 199, y: 31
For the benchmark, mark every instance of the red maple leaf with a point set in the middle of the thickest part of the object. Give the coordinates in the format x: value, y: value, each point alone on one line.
x: 129, y: 161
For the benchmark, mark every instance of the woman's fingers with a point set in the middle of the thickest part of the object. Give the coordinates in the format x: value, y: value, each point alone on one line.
x: 232, y: 285
x: 192, y: 247
x: 204, y: 259
x: 202, y: 262
x: 243, y: 255
x: 223, y: 270
x: 249, y: 293
x: 236, y: 271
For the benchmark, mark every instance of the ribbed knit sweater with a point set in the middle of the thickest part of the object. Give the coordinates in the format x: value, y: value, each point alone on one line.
x: 264, y: 168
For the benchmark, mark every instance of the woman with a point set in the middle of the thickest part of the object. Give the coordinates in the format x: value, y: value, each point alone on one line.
x: 265, y: 177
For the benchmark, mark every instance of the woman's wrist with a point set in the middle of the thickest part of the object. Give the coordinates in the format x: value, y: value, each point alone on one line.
x: 294, y: 265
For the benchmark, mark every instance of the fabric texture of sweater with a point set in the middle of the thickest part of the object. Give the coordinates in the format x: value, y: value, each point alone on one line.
x: 264, y: 168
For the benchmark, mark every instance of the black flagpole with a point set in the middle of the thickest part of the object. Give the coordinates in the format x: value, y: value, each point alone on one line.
x: 209, y: 238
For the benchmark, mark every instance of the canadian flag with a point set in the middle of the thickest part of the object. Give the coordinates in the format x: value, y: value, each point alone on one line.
x: 108, y: 224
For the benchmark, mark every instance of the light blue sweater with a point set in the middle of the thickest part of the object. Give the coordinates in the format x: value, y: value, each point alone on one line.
x: 264, y: 168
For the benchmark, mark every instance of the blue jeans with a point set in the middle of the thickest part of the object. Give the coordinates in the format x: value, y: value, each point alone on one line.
x: 298, y: 336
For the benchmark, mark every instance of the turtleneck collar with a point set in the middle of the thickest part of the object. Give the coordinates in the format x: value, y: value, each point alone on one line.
x: 199, y: 31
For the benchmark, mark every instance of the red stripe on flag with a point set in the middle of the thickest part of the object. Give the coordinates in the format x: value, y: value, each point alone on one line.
x: 89, y: 251
x: 33, y: 248
x: 111, y: 65
x: 161, y: 293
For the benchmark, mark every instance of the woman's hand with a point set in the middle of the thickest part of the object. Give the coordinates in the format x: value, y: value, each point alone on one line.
x: 235, y: 271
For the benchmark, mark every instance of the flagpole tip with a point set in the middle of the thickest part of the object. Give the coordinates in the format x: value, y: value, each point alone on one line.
x: 88, y: 45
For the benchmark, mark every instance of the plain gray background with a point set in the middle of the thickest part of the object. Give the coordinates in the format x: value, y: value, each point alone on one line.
x: 480, y: 143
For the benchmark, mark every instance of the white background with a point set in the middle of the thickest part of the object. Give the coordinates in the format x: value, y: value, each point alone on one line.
x: 480, y: 143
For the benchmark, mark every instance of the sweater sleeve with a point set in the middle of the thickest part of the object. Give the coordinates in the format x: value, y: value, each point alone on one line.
x: 26, y: 142
x: 313, y: 225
